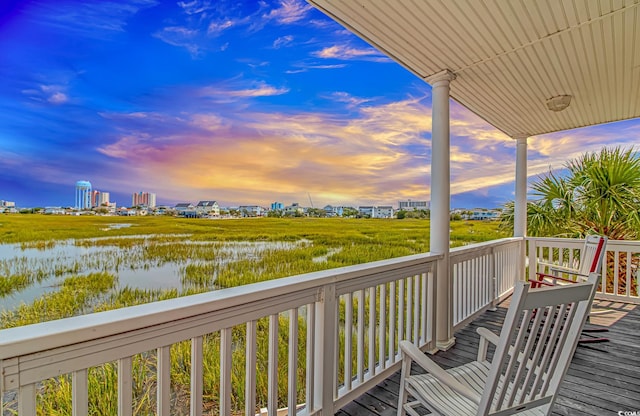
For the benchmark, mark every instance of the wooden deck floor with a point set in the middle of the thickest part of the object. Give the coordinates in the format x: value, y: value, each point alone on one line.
x: 603, y: 378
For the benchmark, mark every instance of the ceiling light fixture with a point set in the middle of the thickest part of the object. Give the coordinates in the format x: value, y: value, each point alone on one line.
x: 559, y: 102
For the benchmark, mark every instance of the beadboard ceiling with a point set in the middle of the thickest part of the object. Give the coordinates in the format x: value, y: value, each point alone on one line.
x: 511, y: 56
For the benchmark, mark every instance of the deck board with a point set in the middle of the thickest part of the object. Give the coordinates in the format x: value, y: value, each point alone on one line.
x: 603, y: 378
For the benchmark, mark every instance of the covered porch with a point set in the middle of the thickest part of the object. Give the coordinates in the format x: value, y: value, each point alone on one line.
x: 602, y: 379
x: 314, y: 342
x: 527, y: 68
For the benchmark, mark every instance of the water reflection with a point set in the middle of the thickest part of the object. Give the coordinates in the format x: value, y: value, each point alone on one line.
x: 138, y: 261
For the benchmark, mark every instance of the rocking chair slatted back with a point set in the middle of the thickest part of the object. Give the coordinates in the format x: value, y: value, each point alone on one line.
x: 590, y: 261
x: 537, y: 342
x: 531, y: 357
x: 592, y: 253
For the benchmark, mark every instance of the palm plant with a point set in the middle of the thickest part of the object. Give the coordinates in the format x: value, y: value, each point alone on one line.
x: 600, y: 193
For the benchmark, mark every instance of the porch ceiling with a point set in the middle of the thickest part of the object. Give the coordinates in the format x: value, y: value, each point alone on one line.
x: 510, y: 57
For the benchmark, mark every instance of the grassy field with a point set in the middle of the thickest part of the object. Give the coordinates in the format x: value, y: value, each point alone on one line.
x: 90, y: 283
x: 412, y: 233
x: 198, y: 246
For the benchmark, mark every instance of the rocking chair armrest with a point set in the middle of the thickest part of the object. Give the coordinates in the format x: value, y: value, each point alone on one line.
x: 561, y: 269
x: 436, y: 371
x: 542, y: 276
x: 488, y: 335
x: 538, y: 283
x: 483, y: 346
x: 567, y: 270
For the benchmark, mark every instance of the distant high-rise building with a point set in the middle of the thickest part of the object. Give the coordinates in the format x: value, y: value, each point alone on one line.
x: 94, y: 197
x: 144, y: 198
x: 83, y: 195
x: 99, y: 198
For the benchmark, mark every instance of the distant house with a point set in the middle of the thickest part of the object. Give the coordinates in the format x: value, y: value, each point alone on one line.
x: 162, y: 210
x: 127, y: 212
x: 54, y: 211
x: 184, y: 206
x: 333, y: 211
x: 410, y: 205
x: 367, y: 211
x: 385, y: 211
x: 277, y: 206
x: 208, y: 208
x: 293, y: 209
x: 251, y: 210
x: 484, y: 214
x: 186, y: 209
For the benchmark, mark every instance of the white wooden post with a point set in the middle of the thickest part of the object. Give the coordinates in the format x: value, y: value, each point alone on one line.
x: 125, y: 387
x: 250, y: 370
x: 520, y: 206
x: 197, y: 345
x: 225, y: 371
x: 325, y: 358
x: 272, y: 366
x: 163, y: 406
x: 440, y: 204
x: 80, y: 393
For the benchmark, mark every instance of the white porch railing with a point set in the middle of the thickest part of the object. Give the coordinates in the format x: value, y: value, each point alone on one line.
x: 619, y: 267
x: 312, y: 342
x: 481, y: 275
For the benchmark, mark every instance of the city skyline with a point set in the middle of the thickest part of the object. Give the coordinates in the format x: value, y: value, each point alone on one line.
x: 243, y: 102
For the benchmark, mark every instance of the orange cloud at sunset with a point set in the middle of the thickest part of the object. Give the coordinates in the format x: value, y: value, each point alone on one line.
x: 378, y: 153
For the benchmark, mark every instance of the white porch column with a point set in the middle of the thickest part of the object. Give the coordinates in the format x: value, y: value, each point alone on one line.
x: 440, y: 205
x: 520, y: 205
x: 520, y: 208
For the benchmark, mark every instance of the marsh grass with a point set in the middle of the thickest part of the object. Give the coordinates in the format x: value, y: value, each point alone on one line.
x: 200, y: 275
x: 40, y: 245
x: 75, y: 297
x: 212, y: 254
x: 21, y: 272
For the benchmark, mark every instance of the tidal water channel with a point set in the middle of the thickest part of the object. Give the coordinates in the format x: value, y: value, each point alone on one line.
x: 147, y: 262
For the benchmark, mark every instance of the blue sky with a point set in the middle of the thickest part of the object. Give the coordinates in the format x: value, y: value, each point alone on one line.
x: 243, y: 102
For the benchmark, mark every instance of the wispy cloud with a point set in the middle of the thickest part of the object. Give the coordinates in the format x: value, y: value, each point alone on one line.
x: 289, y: 11
x: 282, y: 41
x: 58, y: 98
x: 544, y: 154
x: 195, y: 6
x: 128, y: 147
x: 216, y: 28
x: 91, y: 19
x: 182, y: 37
x: 53, y: 94
x: 224, y: 92
x: 205, y: 21
x: 305, y: 68
x: 346, y: 52
x: 350, y: 100
x: 10, y: 161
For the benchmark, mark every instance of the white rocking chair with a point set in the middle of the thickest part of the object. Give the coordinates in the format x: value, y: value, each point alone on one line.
x: 590, y: 261
x: 591, y: 257
x: 532, y: 355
